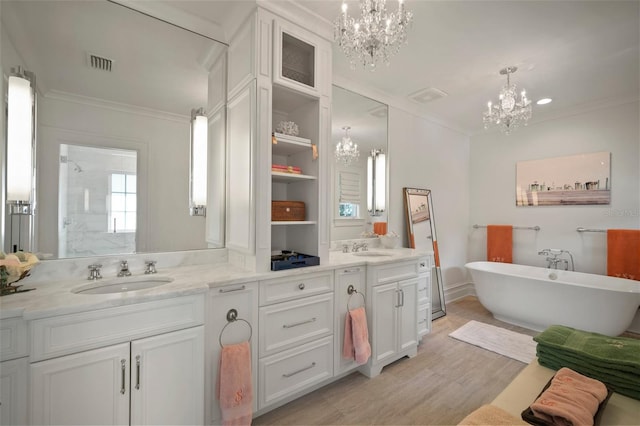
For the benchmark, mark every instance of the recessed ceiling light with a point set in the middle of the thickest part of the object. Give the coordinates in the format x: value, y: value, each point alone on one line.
x: 544, y: 101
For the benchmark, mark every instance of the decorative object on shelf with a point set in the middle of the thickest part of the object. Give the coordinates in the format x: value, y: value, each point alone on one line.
x: 346, y: 149
x: 13, y: 268
x: 376, y: 182
x: 376, y: 36
x: 287, y: 128
x: 21, y: 104
x: 198, y: 163
x: 510, y: 112
x: 287, y: 211
x: 286, y: 169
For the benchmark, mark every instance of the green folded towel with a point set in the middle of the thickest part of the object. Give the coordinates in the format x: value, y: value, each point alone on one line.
x: 612, y: 360
x: 619, y: 351
x: 628, y: 385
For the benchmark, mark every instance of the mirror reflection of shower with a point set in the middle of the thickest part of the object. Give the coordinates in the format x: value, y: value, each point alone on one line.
x: 97, y: 201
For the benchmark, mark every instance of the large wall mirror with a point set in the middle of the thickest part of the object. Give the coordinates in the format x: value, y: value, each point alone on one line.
x: 359, y: 188
x: 115, y: 90
x: 421, y: 232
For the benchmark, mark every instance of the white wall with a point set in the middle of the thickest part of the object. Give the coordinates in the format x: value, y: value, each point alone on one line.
x: 423, y: 154
x: 492, y: 175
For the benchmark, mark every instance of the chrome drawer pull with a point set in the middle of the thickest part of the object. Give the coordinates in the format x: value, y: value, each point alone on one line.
x: 423, y: 289
x: 313, y: 364
x: 349, y: 271
x: 301, y: 286
x: 423, y: 321
x: 423, y: 264
x: 138, y: 372
x: 229, y: 290
x: 123, y: 367
x: 295, y: 324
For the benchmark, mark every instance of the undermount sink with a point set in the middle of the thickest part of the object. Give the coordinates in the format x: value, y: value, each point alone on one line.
x: 371, y: 254
x: 121, y: 285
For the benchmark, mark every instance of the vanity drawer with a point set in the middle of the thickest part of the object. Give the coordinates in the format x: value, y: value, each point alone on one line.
x: 424, y: 289
x: 67, y: 334
x: 13, y: 338
x: 424, y: 265
x: 289, y: 372
x: 289, y: 324
x: 394, y: 272
x: 424, y: 320
x: 295, y: 287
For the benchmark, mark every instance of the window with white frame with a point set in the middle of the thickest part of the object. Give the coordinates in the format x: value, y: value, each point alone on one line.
x: 122, y: 203
x: 348, y: 195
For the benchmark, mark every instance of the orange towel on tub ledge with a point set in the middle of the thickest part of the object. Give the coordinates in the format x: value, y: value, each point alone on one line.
x: 500, y: 243
x: 234, y: 388
x: 356, y: 336
x: 623, y: 253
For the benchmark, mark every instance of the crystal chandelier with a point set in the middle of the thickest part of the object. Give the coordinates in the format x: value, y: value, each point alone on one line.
x: 376, y: 36
x: 347, y: 150
x: 510, y: 112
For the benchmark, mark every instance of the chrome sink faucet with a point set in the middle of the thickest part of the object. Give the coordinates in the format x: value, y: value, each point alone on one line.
x: 357, y: 246
x: 94, y: 271
x: 124, y: 269
x: 553, y: 258
x: 150, y: 267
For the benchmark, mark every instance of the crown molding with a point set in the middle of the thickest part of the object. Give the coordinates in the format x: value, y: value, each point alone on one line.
x: 116, y: 106
x: 297, y: 13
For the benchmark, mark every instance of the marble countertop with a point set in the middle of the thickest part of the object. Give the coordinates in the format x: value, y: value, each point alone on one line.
x: 57, y: 297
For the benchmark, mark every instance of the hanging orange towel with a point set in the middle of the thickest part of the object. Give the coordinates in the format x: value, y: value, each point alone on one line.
x: 356, y: 336
x: 234, y: 389
x: 623, y: 253
x: 500, y: 243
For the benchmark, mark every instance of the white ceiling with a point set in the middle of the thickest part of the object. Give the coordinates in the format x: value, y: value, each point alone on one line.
x: 580, y: 53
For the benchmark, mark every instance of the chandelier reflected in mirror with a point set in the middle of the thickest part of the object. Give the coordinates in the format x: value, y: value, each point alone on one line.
x: 346, y: 149
x: 510, y: 112
x: 376, y: 36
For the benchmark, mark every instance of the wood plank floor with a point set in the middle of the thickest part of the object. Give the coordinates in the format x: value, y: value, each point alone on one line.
x: 446, y: 380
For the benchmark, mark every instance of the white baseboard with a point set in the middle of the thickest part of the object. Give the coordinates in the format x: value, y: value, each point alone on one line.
x: 458, y: 291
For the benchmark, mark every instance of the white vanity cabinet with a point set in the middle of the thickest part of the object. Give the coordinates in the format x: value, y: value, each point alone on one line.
x: 425, y: 266
x: 14, y: 366
x: 97, y: 368
x: 243, y: 299
x: 392, y: 303
x: 345, y: 278
x: 296, y: 336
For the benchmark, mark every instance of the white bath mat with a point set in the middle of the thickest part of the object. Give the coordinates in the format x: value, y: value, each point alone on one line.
x: 499, y: 340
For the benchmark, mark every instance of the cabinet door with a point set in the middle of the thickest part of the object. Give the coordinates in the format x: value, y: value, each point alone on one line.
x: 244, y: 299
x: 408, y: 314
x: 343, y: 301
x: 167, y: 378
x: 295, y: 58
x: 385, y: 302
x: 90, y: 387
x: 13, y: 392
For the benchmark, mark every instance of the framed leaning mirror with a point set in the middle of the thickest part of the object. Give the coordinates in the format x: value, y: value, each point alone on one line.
x: 421, y: 232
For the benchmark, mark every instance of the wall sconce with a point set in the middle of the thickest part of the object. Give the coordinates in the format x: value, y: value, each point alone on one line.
x: 376, y: 181
x: 198, y: 163
x: 21, y: 111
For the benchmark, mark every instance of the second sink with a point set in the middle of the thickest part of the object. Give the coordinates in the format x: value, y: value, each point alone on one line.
x: 121, y: 285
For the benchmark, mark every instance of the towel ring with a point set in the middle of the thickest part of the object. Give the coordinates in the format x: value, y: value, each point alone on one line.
x: 232, y: 316
x: 351, y: 290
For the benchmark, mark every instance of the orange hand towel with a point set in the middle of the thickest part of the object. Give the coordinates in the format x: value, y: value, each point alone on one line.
x: 234, y: 387
x: 380, y: 228
x: 500, y: 243
x: 356, y: 336
x: 623, y: 253
x: 571, y: 399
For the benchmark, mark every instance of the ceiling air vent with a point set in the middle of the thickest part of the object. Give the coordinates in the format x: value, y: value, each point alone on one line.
x: 427, y: 95
x: 99, y: 62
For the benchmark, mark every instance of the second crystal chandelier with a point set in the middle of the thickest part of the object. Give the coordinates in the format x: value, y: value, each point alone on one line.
x: 510, y: 112
x: 376, y: 36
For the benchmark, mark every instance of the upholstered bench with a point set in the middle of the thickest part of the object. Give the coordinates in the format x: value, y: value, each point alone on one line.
x: 523, y: 390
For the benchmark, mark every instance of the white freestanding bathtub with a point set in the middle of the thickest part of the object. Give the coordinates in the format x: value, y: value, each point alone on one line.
x: 535, y: 298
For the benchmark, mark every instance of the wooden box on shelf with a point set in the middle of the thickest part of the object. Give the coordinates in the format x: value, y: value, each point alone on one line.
x: 287, y: 210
